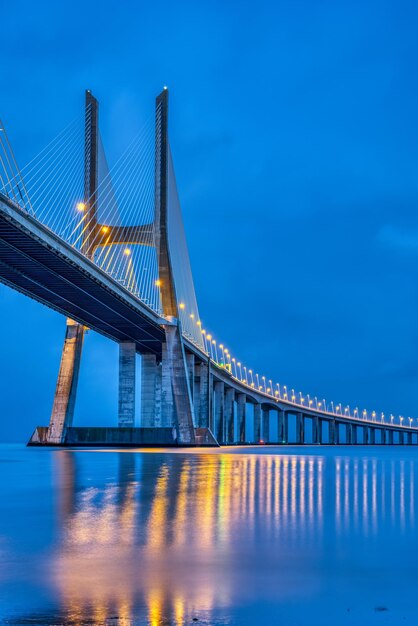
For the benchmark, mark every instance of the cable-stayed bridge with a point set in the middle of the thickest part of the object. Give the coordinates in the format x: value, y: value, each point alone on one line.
x: 106, y: 248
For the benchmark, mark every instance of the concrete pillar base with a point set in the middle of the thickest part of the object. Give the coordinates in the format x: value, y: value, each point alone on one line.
x: 127, y: 380
x: 257, y: 423
x: 242, y: 404
x: 300, y: 430
x: 265, y: 420
x: 229, y: 415
x: 66, y: 390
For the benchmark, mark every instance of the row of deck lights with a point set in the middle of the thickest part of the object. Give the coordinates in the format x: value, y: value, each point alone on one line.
x: 266, y: 386
x: 246, y: 377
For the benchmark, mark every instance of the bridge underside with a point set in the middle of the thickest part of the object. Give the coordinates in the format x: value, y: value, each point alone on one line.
x: 50, y: 275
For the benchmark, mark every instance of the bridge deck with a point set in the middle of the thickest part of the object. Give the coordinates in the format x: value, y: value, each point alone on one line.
x: 41, y: 265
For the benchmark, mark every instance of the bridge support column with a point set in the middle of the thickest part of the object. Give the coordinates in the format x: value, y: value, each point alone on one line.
x: 353, y: 433
x: 241, y: 410
x: 229, y: 414
x: 257, y: 423
x: 390, y: 437
x: 190, y: 371
x: 150, y: 391
x: 365, y: 435
x: 336, y: 433
x: 176, y: 398
x: 300, y: 430
x: 281, y: 426
x: 66, y: 390
x: 266, y: 424
x: 372, y: 435
x: 203, y: 396
x: 127, y: 370
x: 348, y: 434
x: 219, y: 411
x: 316, y: 425
x: 331, y: 432
x: 409, y: 439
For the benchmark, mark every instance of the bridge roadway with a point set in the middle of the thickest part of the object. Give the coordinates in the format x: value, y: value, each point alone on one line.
x: 40, y: 264
x: 227, y: 389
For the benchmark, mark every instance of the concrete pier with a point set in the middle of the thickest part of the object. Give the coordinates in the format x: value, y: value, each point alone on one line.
x: 203, y: 402
x: 257, y: 422
x: 66, y: 390
x: 241, y: 413
x: 229, y: 414
x: 151, y: 380
x: 300, y: 428
x: 365, y: 435
x: 334, y: 432
x: 265, y: 420
x: 281, y: 426
x: 219, y: 411
x: 127, y: 381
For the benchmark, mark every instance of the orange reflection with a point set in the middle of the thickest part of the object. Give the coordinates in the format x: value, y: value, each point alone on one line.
x: 166, y: 533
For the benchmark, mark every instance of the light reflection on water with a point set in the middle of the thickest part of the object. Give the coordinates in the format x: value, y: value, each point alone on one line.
x: 238, y: 536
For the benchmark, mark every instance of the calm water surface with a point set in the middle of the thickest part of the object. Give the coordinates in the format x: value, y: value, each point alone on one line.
x: 247, y: 536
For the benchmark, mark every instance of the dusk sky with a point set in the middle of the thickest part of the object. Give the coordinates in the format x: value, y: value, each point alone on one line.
x: 295, y: 140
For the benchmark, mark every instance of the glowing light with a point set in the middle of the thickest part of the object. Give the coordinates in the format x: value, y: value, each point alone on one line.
x: 105, y: 229
x: 192, y: 316
x: 127, y: 251
x: 81, y: 206
x: 182, y: 305
x: 158, y: 283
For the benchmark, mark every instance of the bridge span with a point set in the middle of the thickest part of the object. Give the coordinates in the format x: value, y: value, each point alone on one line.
x: 92, y: 272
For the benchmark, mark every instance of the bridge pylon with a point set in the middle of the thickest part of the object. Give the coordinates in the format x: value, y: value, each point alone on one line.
x: 177, y: 403
x: 66, y: 389
x: 167, y: 384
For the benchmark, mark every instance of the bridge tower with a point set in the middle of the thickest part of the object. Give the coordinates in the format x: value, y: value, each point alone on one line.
x: 166, y: 388
x: 66, y: 389
x: 176, y: 400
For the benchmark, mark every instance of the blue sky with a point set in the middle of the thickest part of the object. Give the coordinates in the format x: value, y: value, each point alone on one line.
x: 294, y: 135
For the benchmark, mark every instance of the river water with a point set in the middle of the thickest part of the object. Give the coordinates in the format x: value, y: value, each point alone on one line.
x: 267, y: 535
